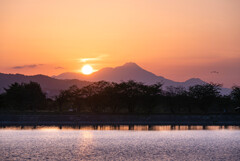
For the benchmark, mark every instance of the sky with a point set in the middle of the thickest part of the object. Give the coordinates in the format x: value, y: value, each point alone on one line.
x: 177, y: 39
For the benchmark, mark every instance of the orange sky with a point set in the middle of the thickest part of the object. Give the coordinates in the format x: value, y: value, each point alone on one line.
x: 177, y: 39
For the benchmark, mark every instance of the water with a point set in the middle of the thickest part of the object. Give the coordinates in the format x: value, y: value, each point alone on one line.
x: 138, y: 143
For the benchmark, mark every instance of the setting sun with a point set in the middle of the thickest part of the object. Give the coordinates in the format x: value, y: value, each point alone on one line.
x: 87, y: 69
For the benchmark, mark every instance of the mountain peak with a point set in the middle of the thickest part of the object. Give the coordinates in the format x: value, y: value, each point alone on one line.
x: 130, y: 71
x: 130, y: 64
x: 195, y: 80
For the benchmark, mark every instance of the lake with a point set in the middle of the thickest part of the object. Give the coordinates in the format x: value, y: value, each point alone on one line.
x: 120, y: 143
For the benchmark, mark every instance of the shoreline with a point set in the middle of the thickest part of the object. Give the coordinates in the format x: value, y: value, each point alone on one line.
x: 103, y: 119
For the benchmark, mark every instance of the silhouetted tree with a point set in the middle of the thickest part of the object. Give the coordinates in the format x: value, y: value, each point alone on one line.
x: 223, y: 104
x: 178, y: 99
x: 150, y: 96
x: 176, y: 91
x: 94, y: 96
x: 235, y: 95
x: 131, y: 92
x: 2, y: 101
x: 50, y: 105
x: 205, y: 95
x: 25, y: 96
x: 68, y: 99
x: 113, y: 97
x: 129, y: 96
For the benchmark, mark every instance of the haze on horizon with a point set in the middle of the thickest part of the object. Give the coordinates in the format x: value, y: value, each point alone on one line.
x: 175, y: 39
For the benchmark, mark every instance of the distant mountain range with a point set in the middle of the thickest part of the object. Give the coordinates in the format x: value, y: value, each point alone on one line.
x: 51, y: 86
x: 129, y: 71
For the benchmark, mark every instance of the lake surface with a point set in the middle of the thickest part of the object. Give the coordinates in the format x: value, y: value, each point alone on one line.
x: 120, y: 143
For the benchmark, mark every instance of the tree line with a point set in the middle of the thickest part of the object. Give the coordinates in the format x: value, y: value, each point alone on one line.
x: 126, y: 97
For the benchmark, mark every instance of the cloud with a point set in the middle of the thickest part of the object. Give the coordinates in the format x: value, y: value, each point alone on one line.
x: 27, y: 66
x: 84, y: 60
x: 214, y: 72
x: 59, y: 68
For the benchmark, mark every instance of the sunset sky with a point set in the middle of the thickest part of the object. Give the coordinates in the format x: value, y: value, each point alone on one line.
x: 177, y: 39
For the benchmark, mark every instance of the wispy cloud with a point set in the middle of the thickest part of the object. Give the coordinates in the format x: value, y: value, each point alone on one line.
x: 214, y: 72
x: 59, y: 68
x: 84, y: 60
x: 27, y: 66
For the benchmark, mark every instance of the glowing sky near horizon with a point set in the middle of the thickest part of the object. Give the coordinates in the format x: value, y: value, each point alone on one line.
x: 175, y: 39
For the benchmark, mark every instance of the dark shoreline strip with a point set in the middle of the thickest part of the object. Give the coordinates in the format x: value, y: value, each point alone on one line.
x: 35, y: 120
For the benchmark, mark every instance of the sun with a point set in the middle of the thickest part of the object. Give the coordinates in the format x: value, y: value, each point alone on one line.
x: 87, y: 69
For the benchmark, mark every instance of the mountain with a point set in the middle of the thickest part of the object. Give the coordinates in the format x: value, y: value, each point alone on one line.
x: 49, y: 85
x: 129, y: 71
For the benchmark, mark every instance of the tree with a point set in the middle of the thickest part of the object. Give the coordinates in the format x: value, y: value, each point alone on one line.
x: 205, y: 95
x: 235, y: 95
x: 95, y: 97
x: 113, y: 97
x: 150, y: 96
x: 68, y: 99
x: 176, y: 91
x: 2, y: 97
x: 130, y: 92
x: 178, y: 99
x: 25, y: 96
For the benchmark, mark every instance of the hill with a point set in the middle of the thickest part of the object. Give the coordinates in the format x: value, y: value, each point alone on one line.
x: 128, y: 71
x: 49, y: 85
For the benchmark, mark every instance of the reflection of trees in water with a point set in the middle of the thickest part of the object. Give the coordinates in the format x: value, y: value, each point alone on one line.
x: 122, y: 127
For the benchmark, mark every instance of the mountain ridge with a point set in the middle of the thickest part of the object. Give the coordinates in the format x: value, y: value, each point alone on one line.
x: 132, y: 71
x: 129, y: 71
x: 51, y: 86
